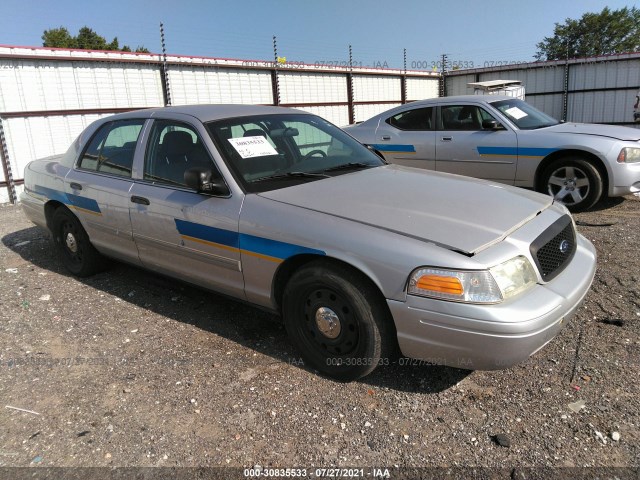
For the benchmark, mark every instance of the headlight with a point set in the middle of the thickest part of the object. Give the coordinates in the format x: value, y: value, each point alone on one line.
x: 629, y: 155
x: 474, y: 286
x: 514, y: 276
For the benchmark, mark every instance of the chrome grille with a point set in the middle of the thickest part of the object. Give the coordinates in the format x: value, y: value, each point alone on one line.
x: 553, y: 250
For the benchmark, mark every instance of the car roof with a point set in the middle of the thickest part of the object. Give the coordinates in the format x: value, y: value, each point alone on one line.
x: 207, y: 113
x: 462, y: 98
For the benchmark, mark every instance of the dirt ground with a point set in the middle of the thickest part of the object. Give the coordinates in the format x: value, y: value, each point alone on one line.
x: 129, y: 369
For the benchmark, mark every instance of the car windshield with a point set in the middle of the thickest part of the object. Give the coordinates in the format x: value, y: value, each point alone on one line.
x: 524, y: 115
x: 266, y: 152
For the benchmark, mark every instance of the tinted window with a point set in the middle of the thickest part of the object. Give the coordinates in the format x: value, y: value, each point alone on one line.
x: 112, y: 148
x: 462, y: 117
x: 173, y: 149
x: 416, y: 119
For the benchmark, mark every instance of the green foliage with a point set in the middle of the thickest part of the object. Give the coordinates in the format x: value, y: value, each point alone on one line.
x: 86, y: 39
x: 607, y: 32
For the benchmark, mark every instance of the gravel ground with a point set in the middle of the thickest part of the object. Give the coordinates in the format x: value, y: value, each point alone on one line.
x: 130, y: 369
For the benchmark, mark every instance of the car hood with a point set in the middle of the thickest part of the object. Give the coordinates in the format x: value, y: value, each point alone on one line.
x: 611, y: 131
x: 459, y: 213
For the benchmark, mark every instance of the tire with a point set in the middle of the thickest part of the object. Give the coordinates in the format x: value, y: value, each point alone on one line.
x: 73, y: 245
x: 338, y: 320
x: 575, y: 182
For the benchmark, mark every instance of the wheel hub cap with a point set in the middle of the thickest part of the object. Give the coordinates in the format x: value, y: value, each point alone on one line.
x: 71, y: 243
x: 570, y: 184
x: 328, y: 322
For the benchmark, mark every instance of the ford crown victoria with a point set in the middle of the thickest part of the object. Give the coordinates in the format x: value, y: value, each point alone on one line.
x: 507, y: 140
x: 281, y: 209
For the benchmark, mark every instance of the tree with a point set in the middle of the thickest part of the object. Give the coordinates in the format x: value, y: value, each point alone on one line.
x: 86, y: 39
x: 607, y: 32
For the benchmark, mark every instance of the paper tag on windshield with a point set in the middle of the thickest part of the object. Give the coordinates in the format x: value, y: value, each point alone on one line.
x: 249, y: 147
x: 515, y: 112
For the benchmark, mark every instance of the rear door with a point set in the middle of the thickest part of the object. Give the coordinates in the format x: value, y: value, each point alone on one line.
x: 465, y: 148
x: 99, y: 184
x: 408, y: 138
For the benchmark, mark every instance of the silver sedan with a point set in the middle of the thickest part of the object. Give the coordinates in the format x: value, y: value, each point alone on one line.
x: 507, y: 140
x: 283, y: 210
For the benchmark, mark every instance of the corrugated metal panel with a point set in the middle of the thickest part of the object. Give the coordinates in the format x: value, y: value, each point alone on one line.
x: 422, y: 88
x: 36, y: 85
x: 549, y: 104
x: 457, y: 85
x: 312, y: 88
x: 601, y: 107
x: 198, y: 85
x: 365, y: 112
x: 372, y: 87
x: 604, y: 75
x: 336, y: 114
x: 37, y: 137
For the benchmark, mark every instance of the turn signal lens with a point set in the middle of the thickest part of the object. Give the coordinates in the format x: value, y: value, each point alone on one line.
x: 438, y: 283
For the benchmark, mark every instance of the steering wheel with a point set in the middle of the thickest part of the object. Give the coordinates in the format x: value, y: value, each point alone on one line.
x: 313, y: 152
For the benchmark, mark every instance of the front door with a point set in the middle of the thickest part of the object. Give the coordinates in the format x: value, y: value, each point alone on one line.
x: 178, y: 231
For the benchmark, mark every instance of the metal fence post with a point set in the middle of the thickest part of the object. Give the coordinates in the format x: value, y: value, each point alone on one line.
x: 275, y: 78
x: 352, y: 114
x: 403, y: 81
x: 6, y: 167
x: 166, y: 91
x: 565, y: 92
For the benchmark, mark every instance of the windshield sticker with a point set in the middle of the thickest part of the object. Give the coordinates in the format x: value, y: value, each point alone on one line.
x: 515, y: 112
x: 249, y: 147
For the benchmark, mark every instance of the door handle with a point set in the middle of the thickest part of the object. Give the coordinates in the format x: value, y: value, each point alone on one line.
x: 140, y: 200
x: 447, y: 139
x: 386, y: 137
x: 75, y: 186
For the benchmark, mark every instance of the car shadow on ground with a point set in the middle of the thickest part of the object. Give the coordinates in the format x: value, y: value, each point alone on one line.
x: 238, y: 322
x: 606, y: 203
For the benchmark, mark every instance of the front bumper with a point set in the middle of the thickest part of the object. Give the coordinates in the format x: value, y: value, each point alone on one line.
x: 625, y: 179
x: 491, y: 337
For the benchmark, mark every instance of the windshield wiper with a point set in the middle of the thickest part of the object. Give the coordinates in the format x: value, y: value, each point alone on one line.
x: 348, y: 166
x: 278, y: 176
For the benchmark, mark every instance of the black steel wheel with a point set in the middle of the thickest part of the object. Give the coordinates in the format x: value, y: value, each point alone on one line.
x: 72, y: 242
x: 338, y: 320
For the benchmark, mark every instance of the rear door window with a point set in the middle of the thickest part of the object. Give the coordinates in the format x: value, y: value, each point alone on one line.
x: 112, y: 148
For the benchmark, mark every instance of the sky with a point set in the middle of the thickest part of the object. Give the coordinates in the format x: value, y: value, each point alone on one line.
x: 471, y: 33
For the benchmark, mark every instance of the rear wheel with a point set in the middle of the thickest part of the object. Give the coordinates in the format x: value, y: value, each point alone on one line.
x: 73, y: 245
x: 575, y: 182
x: 338, y: 320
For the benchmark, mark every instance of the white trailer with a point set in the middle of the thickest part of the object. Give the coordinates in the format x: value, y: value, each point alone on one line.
x: 511, y: 88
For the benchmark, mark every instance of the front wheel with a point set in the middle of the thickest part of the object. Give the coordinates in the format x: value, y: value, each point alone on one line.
x: 575, y: 182
x: 338, y: 320
x: 73, y: 244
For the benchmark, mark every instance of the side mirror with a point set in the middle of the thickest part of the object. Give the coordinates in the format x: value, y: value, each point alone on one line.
x: 200, y: 180
x: 491, y: 125
x: 373, y: 150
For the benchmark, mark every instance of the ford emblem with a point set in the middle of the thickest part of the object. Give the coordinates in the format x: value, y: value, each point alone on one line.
x: 564, y: 246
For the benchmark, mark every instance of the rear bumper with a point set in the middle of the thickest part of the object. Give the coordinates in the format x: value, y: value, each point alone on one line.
x: 491, y: 337
x: 33, y: 208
